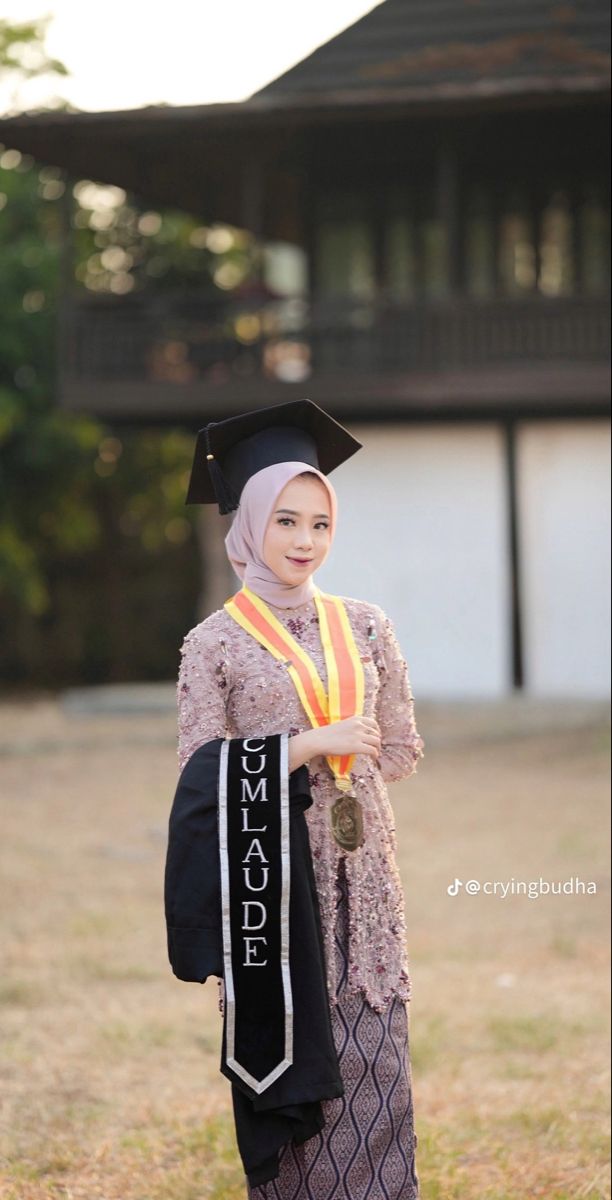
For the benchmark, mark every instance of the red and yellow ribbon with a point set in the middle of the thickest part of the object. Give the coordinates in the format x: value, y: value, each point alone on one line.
x: 346, y: 687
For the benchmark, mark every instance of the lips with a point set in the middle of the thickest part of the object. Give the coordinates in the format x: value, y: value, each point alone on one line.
x: 300, y: 562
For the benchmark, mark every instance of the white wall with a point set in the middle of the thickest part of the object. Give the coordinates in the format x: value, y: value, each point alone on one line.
x: 564, y: 510
x: 422, y: 532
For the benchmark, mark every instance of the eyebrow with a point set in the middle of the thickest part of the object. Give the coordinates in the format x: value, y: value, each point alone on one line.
x: 293, y: 513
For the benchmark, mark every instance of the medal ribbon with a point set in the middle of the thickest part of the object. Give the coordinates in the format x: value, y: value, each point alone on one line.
x: 344, y: 667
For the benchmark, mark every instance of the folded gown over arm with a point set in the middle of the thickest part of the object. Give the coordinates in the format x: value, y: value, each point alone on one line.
x: 289, y: 1109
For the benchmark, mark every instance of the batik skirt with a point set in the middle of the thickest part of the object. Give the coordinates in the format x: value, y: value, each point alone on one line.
x: 366, y: 1149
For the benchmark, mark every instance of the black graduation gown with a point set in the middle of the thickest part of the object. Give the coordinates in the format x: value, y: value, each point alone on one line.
x: 290, y: 1108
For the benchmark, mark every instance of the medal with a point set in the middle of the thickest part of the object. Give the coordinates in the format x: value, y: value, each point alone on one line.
x: 347, y: 821
x: 346, y: 685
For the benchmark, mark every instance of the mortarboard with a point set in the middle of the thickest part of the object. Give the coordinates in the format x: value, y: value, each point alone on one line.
x: 228, y: 452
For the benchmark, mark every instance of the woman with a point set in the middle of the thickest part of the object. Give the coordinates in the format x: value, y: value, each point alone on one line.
x: 230, y: 686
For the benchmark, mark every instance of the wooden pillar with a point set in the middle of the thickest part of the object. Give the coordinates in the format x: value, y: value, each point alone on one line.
x: 418, y: 209
x: 514, y: 550
x: 217, y: 580
x: 253, y: 196
x: 64, y: 322
x: 497, y: 206
x: 252, y: 207
x: 576, y: 206
x: 447, y: 207
x: 309, y: 190
x: 538, y: 200
x: 377, y: 223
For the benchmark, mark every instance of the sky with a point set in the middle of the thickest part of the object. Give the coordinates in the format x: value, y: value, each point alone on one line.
x: 123, y: 54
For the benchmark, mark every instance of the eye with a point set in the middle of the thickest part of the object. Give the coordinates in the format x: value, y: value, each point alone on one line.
x: 290, y: 521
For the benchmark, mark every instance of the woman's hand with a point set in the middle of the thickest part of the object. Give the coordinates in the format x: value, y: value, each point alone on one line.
x: 355, y: 735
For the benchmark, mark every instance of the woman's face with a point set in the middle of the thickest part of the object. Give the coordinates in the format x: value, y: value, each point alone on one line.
x: 298, y: 537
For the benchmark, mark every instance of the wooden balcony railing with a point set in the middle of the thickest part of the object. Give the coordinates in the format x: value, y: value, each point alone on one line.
x: 182, y: 338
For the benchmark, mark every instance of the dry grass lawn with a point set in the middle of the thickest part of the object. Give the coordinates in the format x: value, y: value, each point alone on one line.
x: 109, y: 1065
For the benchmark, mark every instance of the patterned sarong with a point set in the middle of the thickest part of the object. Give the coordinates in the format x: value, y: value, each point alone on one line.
x: 366, y: 1150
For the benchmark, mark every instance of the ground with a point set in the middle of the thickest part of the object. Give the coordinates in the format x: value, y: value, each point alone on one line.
x: 109, y: 1071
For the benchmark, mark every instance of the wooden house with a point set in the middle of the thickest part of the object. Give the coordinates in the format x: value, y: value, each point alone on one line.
x: 430, y: 190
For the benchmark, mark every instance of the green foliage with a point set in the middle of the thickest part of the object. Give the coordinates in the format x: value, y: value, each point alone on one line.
x: 89, y: 521
x: 46, y: 454
x: 123, y: 248
x: 86, y: 516
x: 22, y: 51
x: 92, y: 518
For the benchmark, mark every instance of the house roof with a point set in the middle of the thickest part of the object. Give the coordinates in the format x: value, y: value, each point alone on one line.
x: 403, y: 60
x: 482, y: 44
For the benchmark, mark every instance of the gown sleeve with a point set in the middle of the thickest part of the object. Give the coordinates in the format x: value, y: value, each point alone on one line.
x: 201, y: 692
x: 402, y: 746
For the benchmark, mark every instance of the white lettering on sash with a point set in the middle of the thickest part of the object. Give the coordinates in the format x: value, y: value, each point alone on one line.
x: 247, y: 828
x: 250, y: 950
x: 253, y: 795
x: 255, y: 849
x: 246, y: 871
x: 254, y: 771
x: 247, y: 905
x: 254, y: 912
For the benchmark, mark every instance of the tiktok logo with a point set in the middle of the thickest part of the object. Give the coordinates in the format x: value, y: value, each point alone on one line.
x: 453, y: 888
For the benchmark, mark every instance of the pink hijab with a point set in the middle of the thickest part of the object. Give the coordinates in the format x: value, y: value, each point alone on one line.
x: 245, y: 540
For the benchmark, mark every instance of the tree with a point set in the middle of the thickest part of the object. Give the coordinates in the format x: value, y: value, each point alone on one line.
x: 90, y: 521
x: 23, y: 57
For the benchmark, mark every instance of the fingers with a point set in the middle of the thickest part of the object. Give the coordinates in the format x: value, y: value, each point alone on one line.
x: 373, y: 751
x: 372, y: 744
x: 371, y: 735
x: 368, y: 736
x: 370, y: 723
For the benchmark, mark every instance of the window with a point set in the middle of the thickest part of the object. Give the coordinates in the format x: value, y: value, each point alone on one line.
x: 399, y: 251
x: 556, y: 276
x: 479, y: 242
x: 516, y: 249
x: 344, y: 252
x: 415, y: 245
x: 595, y: 240
x: 434, y: 250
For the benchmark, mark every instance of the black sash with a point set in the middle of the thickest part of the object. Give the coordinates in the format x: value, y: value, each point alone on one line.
x: 255, y: 884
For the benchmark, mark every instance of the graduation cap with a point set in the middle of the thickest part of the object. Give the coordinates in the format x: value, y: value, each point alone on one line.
x: 228, y: 452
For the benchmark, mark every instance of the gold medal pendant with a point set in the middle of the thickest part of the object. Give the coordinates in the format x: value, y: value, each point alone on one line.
x: 347, y: 821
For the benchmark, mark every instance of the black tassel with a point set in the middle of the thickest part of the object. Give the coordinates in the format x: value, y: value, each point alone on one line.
x: 226, y: 496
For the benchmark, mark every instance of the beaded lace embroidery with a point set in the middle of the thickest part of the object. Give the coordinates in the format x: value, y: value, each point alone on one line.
x: 231, y: 686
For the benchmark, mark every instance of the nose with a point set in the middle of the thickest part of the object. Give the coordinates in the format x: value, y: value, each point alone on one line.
x: 304, y: 539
